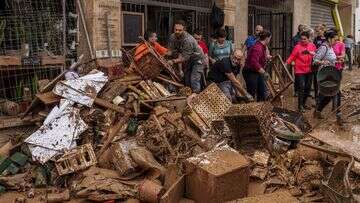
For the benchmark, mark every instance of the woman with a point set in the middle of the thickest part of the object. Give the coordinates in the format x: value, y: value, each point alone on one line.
x: 221, y: 48
x: 318, y: 41
x: 142, y: 50
x: 325, y: 55
x: 301, y: 57
x: 340, y: 52
x: 254, y: 71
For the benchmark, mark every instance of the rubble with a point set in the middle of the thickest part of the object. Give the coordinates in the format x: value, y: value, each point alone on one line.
x: 215, y: 173
x: 135, y: 133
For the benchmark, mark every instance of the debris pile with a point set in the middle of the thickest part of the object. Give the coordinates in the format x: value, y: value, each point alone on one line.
x: 142, y: 135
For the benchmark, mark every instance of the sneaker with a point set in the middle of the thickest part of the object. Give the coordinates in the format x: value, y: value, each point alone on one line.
x: 318, y: 115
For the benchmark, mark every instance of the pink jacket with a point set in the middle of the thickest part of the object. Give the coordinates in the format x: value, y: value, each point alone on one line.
x: 339, y: 49
x: 302, y: 58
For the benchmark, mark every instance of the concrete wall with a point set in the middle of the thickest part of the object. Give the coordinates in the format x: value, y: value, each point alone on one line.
x: 301, y: 10
x: 346, y: 16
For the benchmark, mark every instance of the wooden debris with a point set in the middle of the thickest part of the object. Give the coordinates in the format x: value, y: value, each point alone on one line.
x: 77, y: 159
x: 48, y: 98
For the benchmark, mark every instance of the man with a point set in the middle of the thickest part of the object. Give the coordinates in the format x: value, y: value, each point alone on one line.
x: 186, y: 51
x: 142, y: 50
x: 297, y: 38
x: 251, y: 40
x: 349, y: 44
x: 224, y: 74
x: 198, y: 35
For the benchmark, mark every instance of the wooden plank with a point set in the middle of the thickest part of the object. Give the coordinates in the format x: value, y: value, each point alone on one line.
x: 165, y: 99
x: 10, y: 60
x: 11, y: 122
x: 109, y: 105
x: 48, y: 98
x: 162, y: 78
x: 52, y: 60
x: 175, y: 192
x: 343, y: 142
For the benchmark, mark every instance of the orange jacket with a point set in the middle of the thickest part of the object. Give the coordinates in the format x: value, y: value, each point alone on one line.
x: 142, y: 50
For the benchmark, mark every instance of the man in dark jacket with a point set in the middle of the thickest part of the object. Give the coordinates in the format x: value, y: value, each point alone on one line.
x: 224, y: 73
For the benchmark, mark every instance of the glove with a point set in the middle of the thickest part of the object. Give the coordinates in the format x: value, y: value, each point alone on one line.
x: 249, y: 97
x: 266, y: 76
x: 170, y: 62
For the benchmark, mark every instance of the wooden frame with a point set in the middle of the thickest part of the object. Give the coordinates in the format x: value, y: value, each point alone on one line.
x: 123, y: 30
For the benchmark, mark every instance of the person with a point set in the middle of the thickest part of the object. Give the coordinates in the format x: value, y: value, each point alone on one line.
x: 318, y: 41
x: 339, y: 50
x: 221, y: 48
x: 251, y: 40
x: 320, y: 35
x: 142, y: 49
x: 224, y: 73
x: 301, y: 58
x: 294, y: 41
x: 254, y: 70
x: 185, y: 50
x: 297, y: 38
x: 349, y: 44
x: 325, y: 55
x: 198, y: 35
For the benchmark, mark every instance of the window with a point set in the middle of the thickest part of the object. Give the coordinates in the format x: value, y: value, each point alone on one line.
x: 133, y: 27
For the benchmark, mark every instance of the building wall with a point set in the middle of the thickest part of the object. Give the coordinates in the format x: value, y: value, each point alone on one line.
x: 236, y: 15
x: 346, y: 12
x: 357, y: 24
x: 301, y: 10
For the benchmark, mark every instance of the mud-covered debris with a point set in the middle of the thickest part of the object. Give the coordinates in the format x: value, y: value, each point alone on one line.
x: 76, y: 159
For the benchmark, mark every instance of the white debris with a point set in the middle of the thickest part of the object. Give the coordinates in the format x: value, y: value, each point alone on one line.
x: 82, y: 90
x: 59, y: 131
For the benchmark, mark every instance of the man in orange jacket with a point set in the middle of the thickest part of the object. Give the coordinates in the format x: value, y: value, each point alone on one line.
x: 142, y: 49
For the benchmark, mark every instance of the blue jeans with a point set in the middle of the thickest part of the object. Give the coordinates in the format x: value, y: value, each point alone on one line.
x: 228, y: 89
x: 193, y: 76
x: 255, y: 84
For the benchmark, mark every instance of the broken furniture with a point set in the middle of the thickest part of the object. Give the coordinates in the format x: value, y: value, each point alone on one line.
x: 282, y: 80
x: 338, y: 189
x: 208, y: 106
x: 151, y: 64
x: 76, y: 159
x: 249, y: 124
x: 217, y: 176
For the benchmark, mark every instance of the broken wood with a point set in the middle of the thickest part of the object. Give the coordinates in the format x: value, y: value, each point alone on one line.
x: 48, y: 98
x: 139, y: 92
x: 162, y: 78
x: 108, y: 105
x: 113, y: 132
x: 165, y: 99
x: 163, y: 135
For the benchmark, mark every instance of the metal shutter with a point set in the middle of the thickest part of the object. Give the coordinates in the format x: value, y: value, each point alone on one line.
x: 321, y: 13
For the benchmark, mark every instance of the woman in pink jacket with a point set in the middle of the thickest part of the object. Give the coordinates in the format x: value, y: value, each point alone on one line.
x: 301, y: 59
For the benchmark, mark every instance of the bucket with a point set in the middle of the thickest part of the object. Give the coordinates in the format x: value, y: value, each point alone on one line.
x: 328, y: 79
x: 150, y: 191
